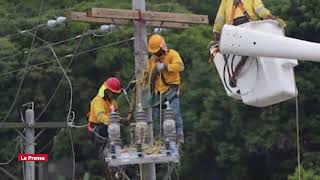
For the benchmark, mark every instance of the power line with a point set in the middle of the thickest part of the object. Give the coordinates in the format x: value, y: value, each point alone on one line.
x: 12, y: 157
x: 9, y: 144
x: 71, y: 96
x: 2, y: 38
x: 8, y: 174
x: 53, y: 140
x: 67, y: 56
x: 82, y: 52
x: 26, y: 65
x: 56, y: 90
x: 31, y: 66
x: 51, y: 44
x: 171, y: 5
x: 90, y: 32
x: 108, y: 45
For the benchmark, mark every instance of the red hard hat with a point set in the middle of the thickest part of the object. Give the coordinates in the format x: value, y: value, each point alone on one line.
x: 113, y: 84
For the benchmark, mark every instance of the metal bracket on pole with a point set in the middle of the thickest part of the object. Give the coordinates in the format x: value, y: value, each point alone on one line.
x: 24, y: 137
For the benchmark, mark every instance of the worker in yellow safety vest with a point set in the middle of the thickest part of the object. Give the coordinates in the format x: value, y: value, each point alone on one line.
x: 236, y: 12
x: 101, y: 106
x: 163, y: 73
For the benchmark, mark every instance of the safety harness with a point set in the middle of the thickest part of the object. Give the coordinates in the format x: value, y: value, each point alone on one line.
x: 236, y: 4
x: 237, y: 21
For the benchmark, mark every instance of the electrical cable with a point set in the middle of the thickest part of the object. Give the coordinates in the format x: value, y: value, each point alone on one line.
x: 12, y: 157
x: 26, y: 65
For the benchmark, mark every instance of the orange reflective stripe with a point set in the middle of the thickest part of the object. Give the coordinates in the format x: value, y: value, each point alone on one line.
x: 233, y: 13
x: 244, y: 11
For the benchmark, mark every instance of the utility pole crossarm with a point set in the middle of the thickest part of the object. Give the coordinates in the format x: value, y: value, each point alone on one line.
x: 83, y: 17
x: 126, y: 17
x: 148, y: 16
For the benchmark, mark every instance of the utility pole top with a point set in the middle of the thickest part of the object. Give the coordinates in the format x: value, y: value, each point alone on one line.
x: 127, y: 17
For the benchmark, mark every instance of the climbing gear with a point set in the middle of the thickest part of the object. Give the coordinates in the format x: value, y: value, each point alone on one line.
x: 233, y: 75
x: 236, y: 4
x: 240, y: 20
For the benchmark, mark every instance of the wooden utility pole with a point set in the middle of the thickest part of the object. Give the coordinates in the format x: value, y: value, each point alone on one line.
x: 29, y: 137
x: 141, y: 59
x: 140, y: 19
x: 29, y: 144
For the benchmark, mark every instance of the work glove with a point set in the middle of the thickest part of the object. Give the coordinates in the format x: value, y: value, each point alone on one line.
x: 160, y: 66
x: 214, y: 49
x: 281, y: 22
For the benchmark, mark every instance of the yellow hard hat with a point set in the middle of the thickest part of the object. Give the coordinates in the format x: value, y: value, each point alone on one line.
x: 156, y: 42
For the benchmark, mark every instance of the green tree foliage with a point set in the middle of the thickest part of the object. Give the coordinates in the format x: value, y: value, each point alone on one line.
x: 305, y: 175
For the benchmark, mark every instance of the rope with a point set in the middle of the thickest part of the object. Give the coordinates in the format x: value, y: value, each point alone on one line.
x: 298, y: 138
x: 141, y: 172
x: 160, y: 135
x: 226, y: 69
x: 71, y: 95
x: 73, y: 155
x: 168, y: 168
x: 68, y: 79
x: 177, y: 174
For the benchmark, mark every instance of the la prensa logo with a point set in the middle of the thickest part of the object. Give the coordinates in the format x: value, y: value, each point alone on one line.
x: 33, y: 157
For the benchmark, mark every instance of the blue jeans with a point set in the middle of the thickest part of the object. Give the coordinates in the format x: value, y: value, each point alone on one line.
x: 100, y: 143
x: 175, y: 106
x: 101, y: 130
